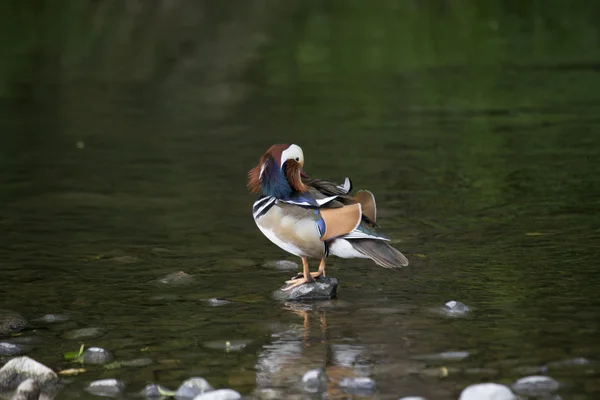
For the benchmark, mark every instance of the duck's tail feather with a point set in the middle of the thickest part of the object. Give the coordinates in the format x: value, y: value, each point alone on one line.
x: 380, y: 252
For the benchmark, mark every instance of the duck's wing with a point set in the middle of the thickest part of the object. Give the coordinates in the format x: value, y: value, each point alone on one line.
x: 329, y: 188
x: 342, y: 191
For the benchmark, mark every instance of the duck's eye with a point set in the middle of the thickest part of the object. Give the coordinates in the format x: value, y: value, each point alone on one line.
x: 297, y: 159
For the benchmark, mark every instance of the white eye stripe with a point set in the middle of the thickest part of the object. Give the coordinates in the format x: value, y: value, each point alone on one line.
x: 294, y: 152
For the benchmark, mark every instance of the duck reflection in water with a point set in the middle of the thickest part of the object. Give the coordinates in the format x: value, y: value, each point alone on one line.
x: 298, y: 348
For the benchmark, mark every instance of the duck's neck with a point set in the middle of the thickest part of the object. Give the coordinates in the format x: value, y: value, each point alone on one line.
x: 274, y: 182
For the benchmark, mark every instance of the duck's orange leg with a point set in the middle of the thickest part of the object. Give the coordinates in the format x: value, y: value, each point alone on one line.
x: 318, y: 274
x: 306, y: 277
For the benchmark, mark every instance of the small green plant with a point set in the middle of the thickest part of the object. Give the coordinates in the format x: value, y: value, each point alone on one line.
x: 75, y: 355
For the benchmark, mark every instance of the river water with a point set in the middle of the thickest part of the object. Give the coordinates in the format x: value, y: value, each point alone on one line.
x: 479, y: 136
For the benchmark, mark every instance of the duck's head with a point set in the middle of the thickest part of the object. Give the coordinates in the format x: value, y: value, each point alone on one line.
x: 279, y: 172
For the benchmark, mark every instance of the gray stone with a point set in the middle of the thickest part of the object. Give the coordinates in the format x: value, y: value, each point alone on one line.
x: 29, y: 389
x: 176, y: 278
x: 577, y: 362
x: 97, y: 355
x: 11, y: 322
x: 412, y: 398
x: 51, y: 318
x: 315, y: 380
x: 214, y: 302
x: 154, y: 391
x: 193, y: 387
x: 487, y: 391
x: 535, y: 385
x: 137, y: 362
x: 227, y: 345
x: 84, y: 333
x: 455, y: 308
x: 19, y: 369
x: 282, y: 265
x: 269, y: 394
x: 221, y: 394
x: 358, y: 385
x: 324, y: 288
x: 444, y: 356
x: 106, y: 388
x: 13, y: 349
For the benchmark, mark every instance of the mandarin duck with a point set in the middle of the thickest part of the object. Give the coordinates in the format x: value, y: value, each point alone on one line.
x: 315, y: 218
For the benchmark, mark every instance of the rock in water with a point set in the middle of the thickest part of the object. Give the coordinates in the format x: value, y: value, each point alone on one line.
x: 20, y: 369
x: 535, y: 385
x: 193, y: 387
x: 12, y: 349
x: 152, y: 391
x: 11, y: 322
x: 360, y: 385
x: 221, y: 394
x: 106, y: 388
x: 29, y: 389
x: 455, y: 308
x: 97, y: 355
x: 487, y: 391
x: 315, y: 380
x: 323, y: 288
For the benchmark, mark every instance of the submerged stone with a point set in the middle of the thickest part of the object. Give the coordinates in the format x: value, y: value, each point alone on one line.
x: 84, y: 333
x: 51, y: 318
x: 153, y: 391
x: 444, y: 356
x: 535, y: 385
x: 176, y: 278
x: 11, y: 322
x: 324, y: 288
x: 357, y: 385
x: 221, y: 394
x: 455, y: 308
x: 215, y: 302
x: 282, y: 265
x: 487, y: 391
x: 137, y: 362
x: 106, y: 387
x: 13, y: 349
x: 193, y: 387
x: 227, y: 345
x: 315, y: 380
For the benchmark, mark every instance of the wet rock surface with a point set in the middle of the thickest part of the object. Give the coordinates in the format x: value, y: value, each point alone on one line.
x: 315, y: 380
x: 97, y: 355
x: 487, y: 391
x: 51, y: 318
x: 176, y: 278
x: 21, y: 369
x: 106, y: 387
x: 282, y: 265
x: 154, y: 391
x: 454, y: 308
x: 221, y: 394
x: 84, y: 333
x: 29, y: 389
x: 324, y: 288
x: 13, y: 349
x: 359, y: 385
x: 535, y: 385
x: 11, y: 322
x: 193, y: 387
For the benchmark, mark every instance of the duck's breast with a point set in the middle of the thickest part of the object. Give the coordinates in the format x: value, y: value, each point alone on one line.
x: 293, y: 228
